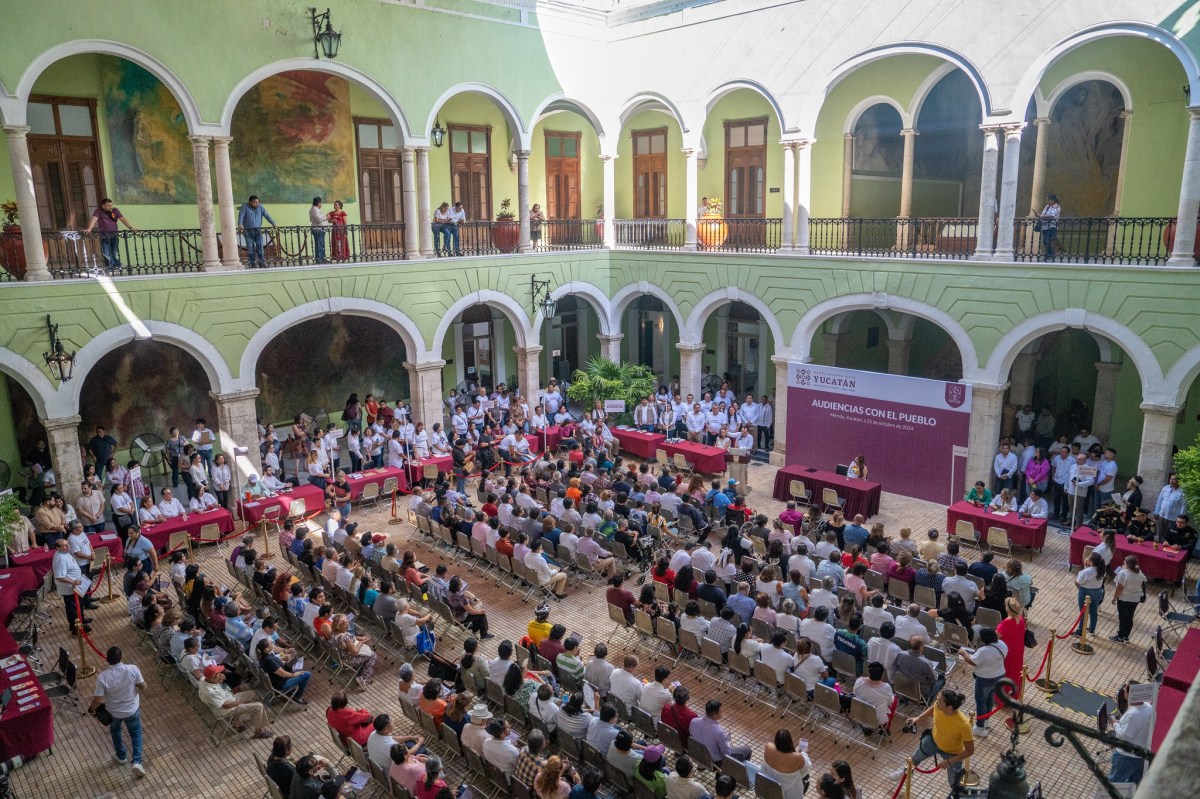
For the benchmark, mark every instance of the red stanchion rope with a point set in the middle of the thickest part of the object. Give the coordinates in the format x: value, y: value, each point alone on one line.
x: 1071, y: 631
x: 933, y: 770
x: 82, y: 628
x: 103, y: 571
x: 1041, y: 667
x: 900, y: 785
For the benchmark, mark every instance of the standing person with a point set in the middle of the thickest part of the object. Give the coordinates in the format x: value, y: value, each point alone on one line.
x: 1169, y: 506
x: 119, y: 689
x: 1078, y: 488
x: 457, y: 217
x: 1134, y: 726
x: 105, y: 218
x: 442, y: 223
x: 1060, y: 473
x: 68, y: 581
x: 341, y: 245
x: 175, y: 444
x: 950, y: 737
x: 988, y: 662
x: 318, y: 223
x: 1131, y: 587
x: 250, y: 221
x: 1048, y: 219
x: 1090, y: 583
x: 101, y: 447
x: 766, y: 423
x: 536, y: 218
x: 203, y: 438
x: 222, y: 477
x: 352, y: 414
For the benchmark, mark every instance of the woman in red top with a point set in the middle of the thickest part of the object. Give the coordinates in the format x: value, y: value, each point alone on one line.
x: 349, y: 722
x: 372, y: 409
x: 661, y: 573
x: 337, y: 219
x: 408, y: 567
x: 902, y: 569
x: 677, y: 714
x: 1012, y: 633
x: 433, y: 783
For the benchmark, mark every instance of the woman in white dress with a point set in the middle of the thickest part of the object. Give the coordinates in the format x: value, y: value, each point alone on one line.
x: 222, y: 475
x: 787, y: 765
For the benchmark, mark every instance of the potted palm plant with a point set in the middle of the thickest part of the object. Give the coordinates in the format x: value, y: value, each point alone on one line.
x: 711, y: 229
x: 603, y: 379
x: 10, y: 517
x: 506, y: 230
x: 12, y: 245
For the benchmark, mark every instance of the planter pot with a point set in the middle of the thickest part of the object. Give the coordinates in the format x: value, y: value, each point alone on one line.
x: 506, y: 233
x: 711, y: 230
x: 1169, y: 238
x: 599, y: 230
x: 12, y: 252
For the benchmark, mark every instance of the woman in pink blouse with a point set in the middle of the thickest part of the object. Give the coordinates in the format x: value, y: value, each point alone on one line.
x: 1037, y: 471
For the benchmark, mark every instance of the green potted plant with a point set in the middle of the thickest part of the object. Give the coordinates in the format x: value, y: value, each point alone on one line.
x: 603, y: 379
x: 506, y: 230
x: 12, y: 245
x: 10, y: 518
x: 600, y: 222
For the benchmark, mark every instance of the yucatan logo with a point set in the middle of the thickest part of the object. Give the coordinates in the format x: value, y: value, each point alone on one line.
x: 956, y: 395
x: 803, y: 377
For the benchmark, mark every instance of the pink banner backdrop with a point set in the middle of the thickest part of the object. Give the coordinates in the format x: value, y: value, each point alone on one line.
x: 912, y: 432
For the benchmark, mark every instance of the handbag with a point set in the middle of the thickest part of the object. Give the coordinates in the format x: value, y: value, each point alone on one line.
x: 425, y: 641
x: 1030, y: 638
x: 103, y: 716
x: 1038, y: 226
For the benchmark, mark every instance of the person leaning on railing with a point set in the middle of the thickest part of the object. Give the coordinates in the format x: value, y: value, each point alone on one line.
x: 105, y: 218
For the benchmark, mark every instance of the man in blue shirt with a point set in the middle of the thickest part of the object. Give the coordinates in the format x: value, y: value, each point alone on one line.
x: 1169, y: 506
x: 250, y: 222
x: 856, y: 534
x: 741, y: 603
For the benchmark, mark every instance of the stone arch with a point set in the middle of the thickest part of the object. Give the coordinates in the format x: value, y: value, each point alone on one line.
x: 45, y: 397
x: 188, y: 340
x: 927, y: 86
x: 1027, y: 86
x: 1045, y: 105
x: 516, y: 127
x: 810, y: 324
x: 594, y: 297
x: 729, y: 87
x: 18, y: 110
x: 505, y: 304
x: 560, y: 102
x: 694, y: 329
x: 371, y: 309
x: 841, y: 322
x: 860, y: 108
x: 1180, y: 377
x: 622, y: 299
x: 651, y: 101
x: 1005, y: 352
x: 399, y: 119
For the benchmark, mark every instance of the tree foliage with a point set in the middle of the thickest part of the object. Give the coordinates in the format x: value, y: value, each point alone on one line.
x: 1187, y: 467
x: 603, y: 379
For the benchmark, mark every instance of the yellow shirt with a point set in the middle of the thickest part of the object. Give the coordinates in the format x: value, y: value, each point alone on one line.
x: 951, y: 731
x: 539, y: 631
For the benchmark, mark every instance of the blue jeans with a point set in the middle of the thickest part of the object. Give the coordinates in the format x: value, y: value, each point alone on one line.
x: 98, y: 527
x: 294, y: 686
x: 319, y: 245
x: 134, y: 723
x: 254, y: 248
x: 451, y: 233
x: 985, y: 698
x: 110, y: 248
x: 206, y: 455
x: 1097, y: 595
x: 927, y: 749
x: 1126, y: 768
x: 1049, y: 236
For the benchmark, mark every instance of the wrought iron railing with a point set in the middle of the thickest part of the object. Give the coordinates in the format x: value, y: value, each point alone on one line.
x: 297, y: 245
x: 128, y: 252
x: 568, y: 234
x: 892, y: 237
x: 739, y: 235
x: 651, y: 234
x: 1096, y: 240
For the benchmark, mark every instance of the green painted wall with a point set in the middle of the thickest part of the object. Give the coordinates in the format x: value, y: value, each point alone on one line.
x: 738, y: 105
x: 474, y: 109
x: 591, y: 170
x: 676, y: 164
x: 9, y: 451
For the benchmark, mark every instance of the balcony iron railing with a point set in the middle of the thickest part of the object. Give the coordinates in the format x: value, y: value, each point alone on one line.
x: 296, y: 245
x: 569, y: 234
x: 129, y: 252
x: 1098, y: 240
x: 739, y: 235
x: 892, y: 237
x: 651, y: 234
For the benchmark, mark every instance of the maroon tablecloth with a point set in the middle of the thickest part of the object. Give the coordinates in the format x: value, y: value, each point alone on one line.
x: 1032, y: 534
x: 861, y: 496
x: 160, y: 534
x: 25, y: 729
x: 12, y: 583
x: 41, y: 561
x: 706, y: 459
x: 1157, y: 564
x: 1166, y: 708
x: 1181, y: 671
x: 377, y: 476
x: 416, y: 469
x: 8, y: 644
x: 252, y: 512
x: 637, y: 442
x: 550, y: 438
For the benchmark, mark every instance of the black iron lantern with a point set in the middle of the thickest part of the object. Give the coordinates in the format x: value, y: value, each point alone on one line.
x: 60, y: 362
x: 540, y: 289
x: 325, y: 41
x: 438, y: 133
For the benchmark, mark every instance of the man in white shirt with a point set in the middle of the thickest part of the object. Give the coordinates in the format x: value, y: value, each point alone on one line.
x: 962, y: 585
x: 498, y: 749
x: 598, y: 671
x: 714, y: 420
x: 682, y: 557
x: 119, y: 689
x: 67, y: 578
x: 875, y: 692
x: 777, y: 657
x: 624, y: 684
x: 988, y: 662
x: 520, y: 448
x: 1085, y: 439
x: 547, y: 577
x: 475, y: 734
x: 817, y: 629
x: 802, y: 563
x: 644, y: 416
x: 239, y: 708
x: 170, y: 507
x: 1134, y: 726
x: 1034, y: 507
x: 703, y: 559
x: 656, y: 694
x: 1004, y: 466
x: 695, y: 421
x: 766, y: 423
x: 1081, y: 479
x: 203, y: 438
x: 1106, y: 479
x: 875, y: 614
x: 272, y: 483
x: 1060, y: 473
x: 80, y: 545
x: 883, y: 649
x: 909, y: 625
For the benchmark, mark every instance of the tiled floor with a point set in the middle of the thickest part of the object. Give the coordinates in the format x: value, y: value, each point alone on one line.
x: 182, y: 763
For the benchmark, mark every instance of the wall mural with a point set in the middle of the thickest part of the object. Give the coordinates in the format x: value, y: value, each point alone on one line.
x: 26, y: 423
x: 319, y: 363
x: 878, y: 145
x: 151, y: 155
x: 293, y: 139
x: 1083, y: 152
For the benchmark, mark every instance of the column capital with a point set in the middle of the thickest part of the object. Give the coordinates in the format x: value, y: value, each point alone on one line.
x: 798, y: 144
x: 1194, y: 111
x: 690, y: 152
x: 1044, y: 121
x: 1107, y: 366
x: 783, y: 359
x: 20, y: 131
x: 221, y: 141
x: 848, y: 136
x: 425, y: 366
x: 890, y: 342
x: 408, y: 154
x: 1157, y: 409
x: 610, y: 337
x: 689, y: 347
x: 1012, y: 130
x: 61, y: 422
x: 535, y: 349
x: 200, y: 140
x: 523, y: 155
x: 234, y: 396
x: 607, y: 157
x: 991, y: 130
x: 906, y: 132
x: 986, y: 388
x: 1127, y: 114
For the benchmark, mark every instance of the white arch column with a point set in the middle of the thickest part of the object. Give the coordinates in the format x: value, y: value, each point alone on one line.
x: 62, y: 436
x: 425, y: 391
x: 691, y: 186
x: 1106, y: 394
x: 204, y: 204
x: 803, y: 193
x: 788, y: 238
x: 225, y: 203
x: 412, y: 227
x: 906, y: 171
x: 1183, y: 253
x: 237, y: 432
x: 847, y: 173
x: 31, y: 226
x: 424, y: 229
x: 985, y: 238
x: 778, y: 454
x: 987, y: 410
x: 610, y: 346
x: 1037, y: 186
x: 833, y: 342
x: 1158, y: 437
x: 524, y: 244
x: 1020, y: 378
x: 529, y: 378
x: 899, y: 355
x: 691, y: 355
x: 1008, y: 192
x: 610, y: 201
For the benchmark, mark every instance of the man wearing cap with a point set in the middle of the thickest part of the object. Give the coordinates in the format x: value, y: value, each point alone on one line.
x: 539, y: 629
x: 240, y: 708
x: 657, y: 783
x: 255, y: 487
x: 475, y: 734
x: 498, y: 750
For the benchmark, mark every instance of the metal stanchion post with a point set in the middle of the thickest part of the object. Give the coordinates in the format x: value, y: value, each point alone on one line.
x: 908, y: 778
x: 969, y: 778
x: 84, y: 671
x: 1045, y: 683
x: 108, y: 578
x: 1082, y: 646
